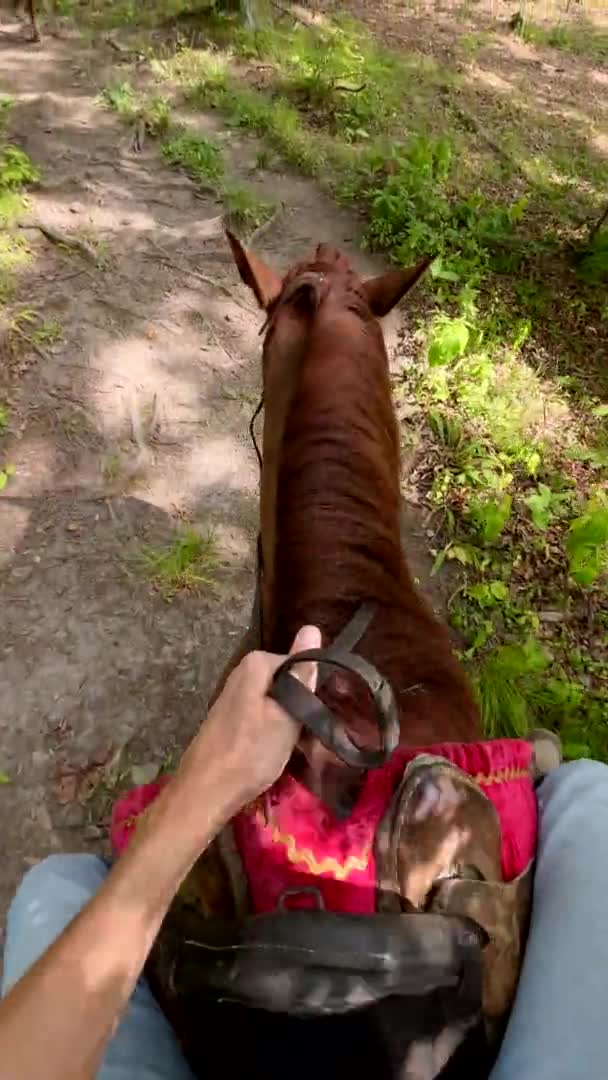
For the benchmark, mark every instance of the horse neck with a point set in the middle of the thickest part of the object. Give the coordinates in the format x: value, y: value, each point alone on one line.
x: 338, y: 542
x: 337, y: 505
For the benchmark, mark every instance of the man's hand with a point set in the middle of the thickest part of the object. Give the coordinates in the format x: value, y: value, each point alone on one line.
x: 76, y: 992
x: 247, y: 737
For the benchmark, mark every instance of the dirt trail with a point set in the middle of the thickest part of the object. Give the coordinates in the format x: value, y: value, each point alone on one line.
x: 135, y: 420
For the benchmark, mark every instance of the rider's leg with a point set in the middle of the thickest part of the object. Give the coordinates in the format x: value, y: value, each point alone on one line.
x: 559, y: 1025
x: 50, y: 895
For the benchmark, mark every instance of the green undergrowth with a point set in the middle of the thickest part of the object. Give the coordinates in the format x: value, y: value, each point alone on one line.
x: 509, y: 388
x: 581, y: 38
x: 17, y: 171
x: 201, y: 157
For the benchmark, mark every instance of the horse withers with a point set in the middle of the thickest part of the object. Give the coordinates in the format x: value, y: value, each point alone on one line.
x: 385, y: 904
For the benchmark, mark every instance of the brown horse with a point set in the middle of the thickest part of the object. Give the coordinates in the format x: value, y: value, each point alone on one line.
x: 330, y: 491
x: 330, y: 544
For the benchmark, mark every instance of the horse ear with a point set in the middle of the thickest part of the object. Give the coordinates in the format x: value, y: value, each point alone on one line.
x: 255, y: 273
x: 384, y: 292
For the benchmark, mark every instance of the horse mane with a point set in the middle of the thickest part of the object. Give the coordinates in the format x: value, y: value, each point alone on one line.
x: 337, y: 516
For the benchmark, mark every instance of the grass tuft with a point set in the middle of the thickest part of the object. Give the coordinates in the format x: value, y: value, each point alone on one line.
x: 190, y: 562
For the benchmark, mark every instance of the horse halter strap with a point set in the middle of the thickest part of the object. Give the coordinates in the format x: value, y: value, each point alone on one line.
x: 306, y: 708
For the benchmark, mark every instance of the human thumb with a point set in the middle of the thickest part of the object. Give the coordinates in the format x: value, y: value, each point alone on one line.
x: 307, y: 637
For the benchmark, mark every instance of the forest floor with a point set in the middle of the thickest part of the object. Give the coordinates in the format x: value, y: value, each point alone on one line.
x: 129, y: 361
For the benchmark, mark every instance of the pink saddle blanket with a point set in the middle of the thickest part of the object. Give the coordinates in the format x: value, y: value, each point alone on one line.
x: 288, y: 839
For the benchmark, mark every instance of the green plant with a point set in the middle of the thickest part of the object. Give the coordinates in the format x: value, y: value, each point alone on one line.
x: 6, y: 103
x: 502, y: 685
x: 245, y: 210
x: 198, y: 156
x: 16, y: 168
x: 592, y: 261
x: 47, y: 333
x: 587, y: 545
x: 154, y: 109
x: 448, y: 339
x: 545, y: 505
x: 189, y: 562
x: 5, y: 473
x: 489, y: 517
x: 112, y: 467
x: 488, y: 594
x: 14, y: 255
x: 122, y: 98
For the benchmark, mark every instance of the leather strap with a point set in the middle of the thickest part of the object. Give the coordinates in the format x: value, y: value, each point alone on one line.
x: 319, y: 963
x: 311, y: 713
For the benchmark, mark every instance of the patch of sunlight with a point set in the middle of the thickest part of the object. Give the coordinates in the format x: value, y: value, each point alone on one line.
x: 110, y: 219
x: 137, y: 375
x: 599, y: 142
x: 14, y: 521
x: 492, y: 79
x: 543, y: 172
x: 189, y: 66
x: 204, y: 475
x: 222, y: 463
x: 508, y: 401
x: 520, y: 50
x: 233, y: 541
x: 34, y: 460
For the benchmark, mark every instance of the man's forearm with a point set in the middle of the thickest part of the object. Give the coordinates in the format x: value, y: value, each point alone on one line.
x: 75, y: 994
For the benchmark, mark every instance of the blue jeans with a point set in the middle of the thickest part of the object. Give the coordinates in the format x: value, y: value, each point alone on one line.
x: 558, y: 1028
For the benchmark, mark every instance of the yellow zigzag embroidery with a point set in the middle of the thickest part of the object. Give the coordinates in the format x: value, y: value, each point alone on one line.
x: 502, y: 776
x: 328, y: 865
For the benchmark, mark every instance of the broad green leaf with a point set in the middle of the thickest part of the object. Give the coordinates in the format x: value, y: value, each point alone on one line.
x: 574, y: 750
x: 600, y: 410
x: 3, y: 479
x: 590, y: 529
x: 4, y: 778
x: 439, y: 561
x: 491, y: 517
x: 499, y: 590
x: 539, y: 505
x: 448, y: 341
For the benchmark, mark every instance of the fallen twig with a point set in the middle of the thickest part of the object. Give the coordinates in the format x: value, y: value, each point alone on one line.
x: 266, y: 225
x: 165, y: 258
x: 68, y: 239
x: 139, y: 136
x: 348, y: 87
x: 32, y: 344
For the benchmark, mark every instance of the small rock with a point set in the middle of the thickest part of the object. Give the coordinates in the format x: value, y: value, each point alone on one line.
x: 73, y: 817
x: 552, y: 616
x: 144, y: 774
x: 21, y: 573
x: 92, y: 832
